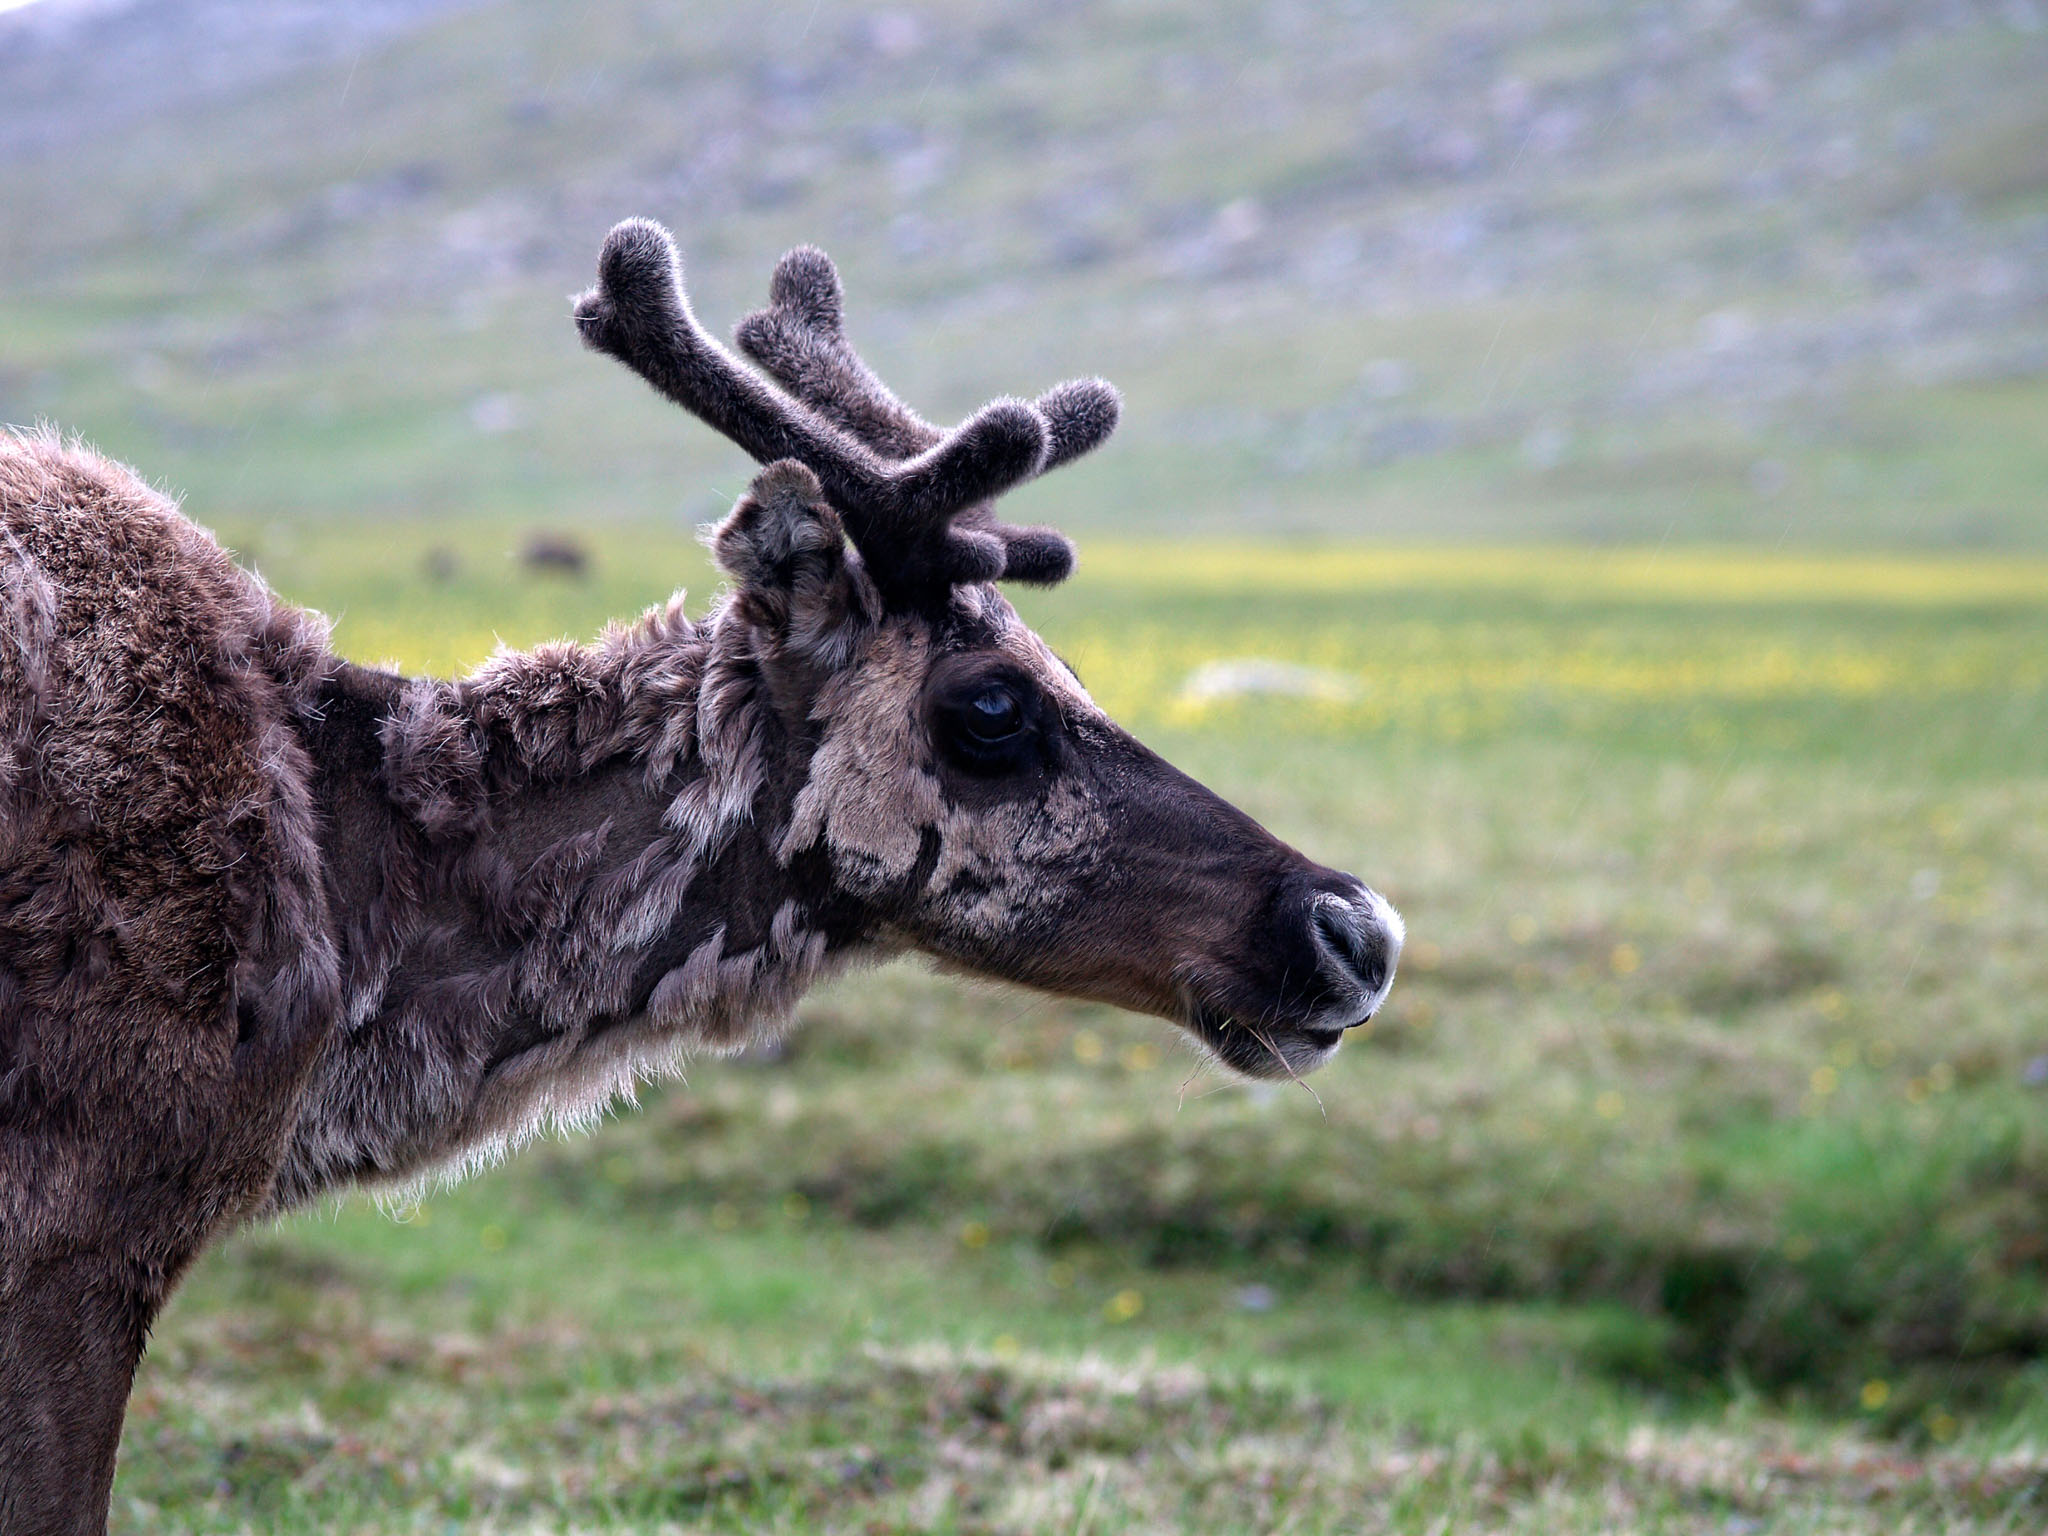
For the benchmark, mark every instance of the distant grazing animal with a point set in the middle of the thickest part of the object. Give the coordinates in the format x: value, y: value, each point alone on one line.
x: 556, y: 553
x: 272, y: 924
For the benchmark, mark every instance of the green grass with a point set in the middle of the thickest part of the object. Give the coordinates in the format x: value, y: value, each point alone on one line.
x: 789, y: 1374
x: 1692, y: 1181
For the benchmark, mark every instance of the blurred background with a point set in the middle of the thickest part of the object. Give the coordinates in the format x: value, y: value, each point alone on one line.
x: 1585, y: 468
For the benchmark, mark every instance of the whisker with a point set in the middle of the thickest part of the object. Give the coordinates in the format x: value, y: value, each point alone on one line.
x: 1288, y: 1067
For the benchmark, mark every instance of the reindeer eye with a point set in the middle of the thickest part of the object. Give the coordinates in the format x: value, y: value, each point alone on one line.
x: 986, y: 727
x: 994, y: 714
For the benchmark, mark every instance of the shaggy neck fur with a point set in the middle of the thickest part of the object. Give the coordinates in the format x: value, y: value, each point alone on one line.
x: 550, y: 879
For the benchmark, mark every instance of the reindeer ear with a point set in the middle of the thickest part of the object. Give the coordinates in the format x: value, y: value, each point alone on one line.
x: 781, y: 531
x: 785, y: 549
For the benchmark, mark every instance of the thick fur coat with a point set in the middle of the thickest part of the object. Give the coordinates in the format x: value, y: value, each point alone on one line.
x: 167, y: 963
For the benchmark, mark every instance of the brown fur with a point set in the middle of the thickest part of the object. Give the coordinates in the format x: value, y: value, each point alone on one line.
x: 166, y: 966
x: 272, y: 924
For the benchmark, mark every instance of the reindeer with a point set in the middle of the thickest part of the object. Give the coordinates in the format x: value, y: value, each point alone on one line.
x: 273, y: 924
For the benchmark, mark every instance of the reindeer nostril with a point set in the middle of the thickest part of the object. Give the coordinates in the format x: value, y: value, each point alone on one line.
x: 1354, y: 938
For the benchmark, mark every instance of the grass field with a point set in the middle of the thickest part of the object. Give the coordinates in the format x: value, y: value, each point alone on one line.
x: 1692, y: 1181
x: 1532, y: 413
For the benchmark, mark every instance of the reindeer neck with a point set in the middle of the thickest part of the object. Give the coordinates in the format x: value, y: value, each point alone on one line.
x: 549, y: 880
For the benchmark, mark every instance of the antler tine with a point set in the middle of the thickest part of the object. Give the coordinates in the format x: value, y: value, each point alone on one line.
x: 800, y: 339
x: 638, y: 314
x: 1079, y: 416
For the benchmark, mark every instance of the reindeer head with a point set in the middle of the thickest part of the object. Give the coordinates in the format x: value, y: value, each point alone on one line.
x: 947, y: 783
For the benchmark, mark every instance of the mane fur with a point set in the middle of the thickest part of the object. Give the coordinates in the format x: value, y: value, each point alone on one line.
x: 575, y: 929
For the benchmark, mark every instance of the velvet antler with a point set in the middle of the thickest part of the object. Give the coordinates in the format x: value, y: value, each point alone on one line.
x: 914, y: 498
x: 800, y: 338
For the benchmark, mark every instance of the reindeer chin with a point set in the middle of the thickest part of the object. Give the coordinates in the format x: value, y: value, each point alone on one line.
x: 1261, y: 1050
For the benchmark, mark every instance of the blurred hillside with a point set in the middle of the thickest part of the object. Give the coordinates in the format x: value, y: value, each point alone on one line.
x: 1719, y: 270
